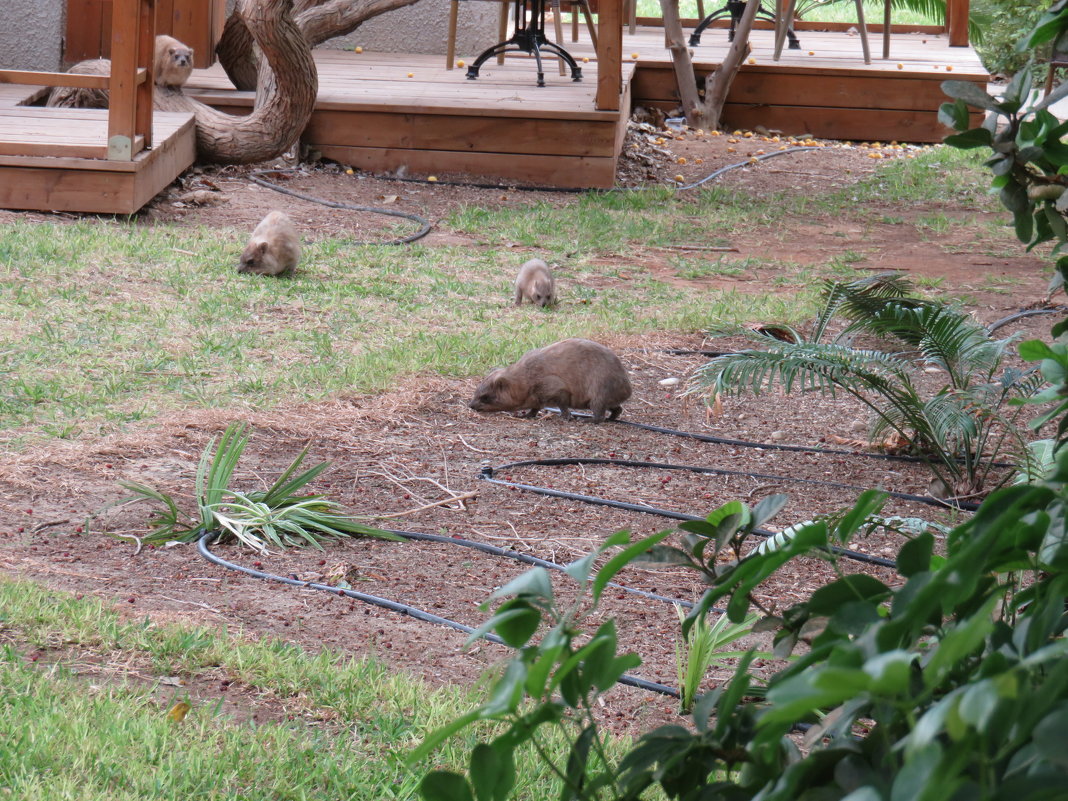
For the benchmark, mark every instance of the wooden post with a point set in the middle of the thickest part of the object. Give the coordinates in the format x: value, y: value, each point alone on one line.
x: 609, y: 54
x: 957, y: 22
x: 146, y: 56
x: 122, y: 114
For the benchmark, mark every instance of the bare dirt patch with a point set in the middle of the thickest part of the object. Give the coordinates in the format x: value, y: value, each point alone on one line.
x: 397, y: 451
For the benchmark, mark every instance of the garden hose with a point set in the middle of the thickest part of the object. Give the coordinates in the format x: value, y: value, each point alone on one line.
x: 773, y: 446
x: 1024, y: 313
x: 488, y: 474
x: 206, y: 538
x: 424, y: 224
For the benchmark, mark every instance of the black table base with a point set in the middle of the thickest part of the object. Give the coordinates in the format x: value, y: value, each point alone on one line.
x: 529, y: 37
x: 736, y: 8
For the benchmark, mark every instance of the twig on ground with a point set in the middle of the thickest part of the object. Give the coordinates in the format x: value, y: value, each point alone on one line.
x: 458, y: 498
x: 50, y: 524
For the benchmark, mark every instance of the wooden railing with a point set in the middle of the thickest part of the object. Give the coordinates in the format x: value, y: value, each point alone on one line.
x: 130, y: 82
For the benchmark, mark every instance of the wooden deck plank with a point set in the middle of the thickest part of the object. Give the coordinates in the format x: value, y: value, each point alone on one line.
x: 550, y: 170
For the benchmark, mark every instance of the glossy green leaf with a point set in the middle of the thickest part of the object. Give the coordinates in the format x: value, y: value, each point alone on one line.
x: 443, y: 785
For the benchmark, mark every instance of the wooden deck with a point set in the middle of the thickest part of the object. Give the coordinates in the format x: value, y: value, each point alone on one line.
x: 381, y: 112
x: 56, y: 159
x: 825, y: 88
x: 371, y: 115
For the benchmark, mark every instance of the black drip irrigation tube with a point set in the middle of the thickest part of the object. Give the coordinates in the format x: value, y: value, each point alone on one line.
x: 1012, y: 318
x: 488, y: 474
x: 414, y: 612
x: 424, y: 225
x: 772, y: 446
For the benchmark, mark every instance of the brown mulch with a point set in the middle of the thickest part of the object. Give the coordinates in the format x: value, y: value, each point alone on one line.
x: 419, y: 443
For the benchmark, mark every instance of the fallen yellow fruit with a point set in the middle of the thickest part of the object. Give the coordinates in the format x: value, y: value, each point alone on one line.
x: 752, y: 61
x: 348, y: 171
x: 633, y: 55
x: 411, y: 74
x: 585, y: 60
x: 901, y: 66
x: 753, y: 159
x: 812, y: 52
x: 730, y: 149
x: 358, y: 49
x: 679, y: 179
x: 178, y: 712
x: 432, y: 178
x: 949, y: 68
x: 698, y: 161
x: 460, y: 63
x: 681, y: 160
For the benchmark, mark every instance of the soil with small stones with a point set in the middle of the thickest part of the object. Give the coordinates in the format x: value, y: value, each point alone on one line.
x: 405, y: 450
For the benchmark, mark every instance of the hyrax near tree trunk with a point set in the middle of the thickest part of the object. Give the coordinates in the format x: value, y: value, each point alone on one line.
x: 172, y: 66
x: 535, y: 283
x: 274, y: 247
x: 571, y: 374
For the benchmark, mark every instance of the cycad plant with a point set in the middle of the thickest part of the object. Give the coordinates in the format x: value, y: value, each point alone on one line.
x: 958, y: 428
x: 280, y: 515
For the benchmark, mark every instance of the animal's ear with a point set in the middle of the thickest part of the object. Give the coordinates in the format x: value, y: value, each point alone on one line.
x: 262, y: 246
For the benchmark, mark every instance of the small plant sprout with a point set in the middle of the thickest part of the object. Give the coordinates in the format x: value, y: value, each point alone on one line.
x: 700, y: 649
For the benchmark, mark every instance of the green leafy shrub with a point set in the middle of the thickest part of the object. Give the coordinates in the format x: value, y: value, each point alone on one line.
x: 949, y: 683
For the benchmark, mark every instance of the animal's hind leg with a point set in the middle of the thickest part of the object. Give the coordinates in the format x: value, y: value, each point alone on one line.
x: 614, y: 412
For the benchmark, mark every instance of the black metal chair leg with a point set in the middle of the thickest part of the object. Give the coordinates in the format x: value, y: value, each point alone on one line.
x: 695, y: 37
x: 565, y: 57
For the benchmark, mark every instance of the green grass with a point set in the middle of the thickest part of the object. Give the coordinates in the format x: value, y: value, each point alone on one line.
x: 104, y: 324
x: 66, y: 735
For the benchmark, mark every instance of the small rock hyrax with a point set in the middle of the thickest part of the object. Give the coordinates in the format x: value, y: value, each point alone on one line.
x: 570, y: 374
x: 535, y: 283
x: 274, y: 247
x: 173, y: 63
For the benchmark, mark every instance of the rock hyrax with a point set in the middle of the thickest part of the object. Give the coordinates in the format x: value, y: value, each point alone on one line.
x: 535, y: 283
x: 571, y: 374
x: 274, y: 247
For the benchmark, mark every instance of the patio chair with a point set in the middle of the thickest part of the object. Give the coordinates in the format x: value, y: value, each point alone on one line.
x: 784, y: 15
x: 557, y: 6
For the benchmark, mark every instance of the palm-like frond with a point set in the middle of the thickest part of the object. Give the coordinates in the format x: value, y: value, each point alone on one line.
x: 806, y: 365
x: 856, y: 296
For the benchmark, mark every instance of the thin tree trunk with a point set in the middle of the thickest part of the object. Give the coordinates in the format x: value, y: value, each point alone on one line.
x: 680, y: 59
x: 719, y: 83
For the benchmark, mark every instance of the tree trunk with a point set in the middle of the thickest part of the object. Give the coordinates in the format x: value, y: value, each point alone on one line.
x: 287, y: 86
x: 318, y: 21
x: 237, y: 54
x: 705, y: 113
x: 719, y: 83
x: 685, y: 78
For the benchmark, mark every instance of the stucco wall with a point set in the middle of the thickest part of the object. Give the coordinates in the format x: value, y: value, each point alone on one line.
x: 31, y: 35
x: 424, y: 28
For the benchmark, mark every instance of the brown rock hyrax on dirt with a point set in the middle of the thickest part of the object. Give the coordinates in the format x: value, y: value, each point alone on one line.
x: 535, y: 283
x: 173, y: 65
x: 274, y: 247
x: 570, y: 374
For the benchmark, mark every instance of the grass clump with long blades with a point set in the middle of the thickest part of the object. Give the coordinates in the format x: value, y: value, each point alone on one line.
x: 280, y: 516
